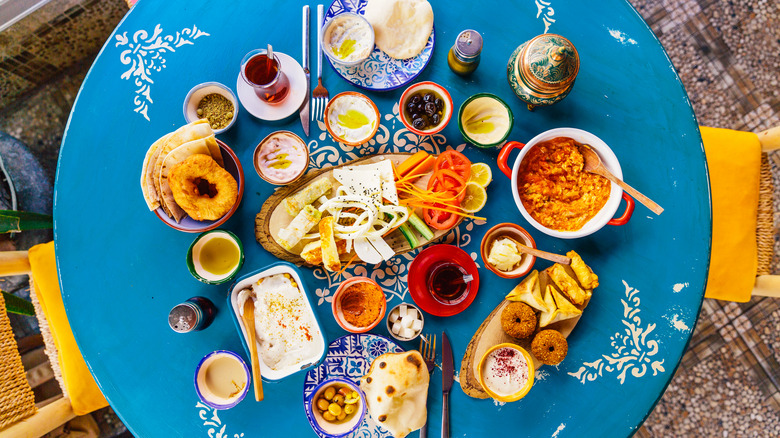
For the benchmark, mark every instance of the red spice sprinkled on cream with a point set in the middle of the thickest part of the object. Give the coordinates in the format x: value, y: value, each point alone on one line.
x: 505, y: 371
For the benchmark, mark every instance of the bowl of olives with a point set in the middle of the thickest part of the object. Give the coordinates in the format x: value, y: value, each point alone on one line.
x: 426, y: 108
x: 336, y: 407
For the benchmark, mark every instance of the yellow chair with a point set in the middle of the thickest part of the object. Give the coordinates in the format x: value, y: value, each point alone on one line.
x: 742, y: 213
x: 19, y: 415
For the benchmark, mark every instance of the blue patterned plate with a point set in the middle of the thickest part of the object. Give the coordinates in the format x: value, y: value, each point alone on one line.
x: 379, y: 72
x: 350, y: 357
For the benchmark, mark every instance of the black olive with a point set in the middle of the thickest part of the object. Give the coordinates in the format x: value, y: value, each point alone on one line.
x: 430, y: 108
x: 418, y: 123
x: 410, y: 107
x: 416, y: 115
x: 439, y: 104
x: 435, y: 119
x: 415, y: 99
x: 428, y: 97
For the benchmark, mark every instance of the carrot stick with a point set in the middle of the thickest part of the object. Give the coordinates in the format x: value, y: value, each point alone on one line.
x: 346, y: 266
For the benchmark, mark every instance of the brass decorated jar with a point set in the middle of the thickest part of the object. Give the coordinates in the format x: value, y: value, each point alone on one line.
x: 541, y: 71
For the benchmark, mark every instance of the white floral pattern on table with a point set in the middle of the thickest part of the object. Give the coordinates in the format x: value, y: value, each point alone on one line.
x: 211, y: 420
x: 544, y: 10
x: 633, y: 350
x: 144, y: 55
x: 350, y: 357
x: 392, y: 274
x: 379, y: 71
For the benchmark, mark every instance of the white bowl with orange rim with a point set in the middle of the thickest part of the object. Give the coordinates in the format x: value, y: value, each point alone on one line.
x: 357, y: 306
x: 605, y: 216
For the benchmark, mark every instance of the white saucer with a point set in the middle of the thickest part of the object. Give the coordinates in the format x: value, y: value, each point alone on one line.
x: 289, y: 106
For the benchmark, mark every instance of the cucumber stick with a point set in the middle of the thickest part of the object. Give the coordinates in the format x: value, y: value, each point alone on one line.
x: 409, y: 235
x: 420, y: 226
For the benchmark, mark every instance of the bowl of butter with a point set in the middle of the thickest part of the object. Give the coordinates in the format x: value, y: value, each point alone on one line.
x: 502, y: 254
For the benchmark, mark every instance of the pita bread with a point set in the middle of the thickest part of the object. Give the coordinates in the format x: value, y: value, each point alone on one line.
x: 401, y: 27
x: 151, y: 196
x: 396, y: 389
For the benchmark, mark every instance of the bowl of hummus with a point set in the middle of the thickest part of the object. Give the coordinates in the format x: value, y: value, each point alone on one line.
x: 485, y: 120
x: 347, y: 39
x: 506, y: 372
x: 281, y: 158
x: 553, y: 191
x: 351, y: 118
x: 288, y: 334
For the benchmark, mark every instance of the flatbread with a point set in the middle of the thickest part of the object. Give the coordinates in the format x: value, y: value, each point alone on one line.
x: 151, y: 196
x: 396, y: 389
x: 401, y: 27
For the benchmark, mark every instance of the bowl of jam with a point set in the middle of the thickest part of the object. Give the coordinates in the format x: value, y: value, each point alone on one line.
x: 426, y: 108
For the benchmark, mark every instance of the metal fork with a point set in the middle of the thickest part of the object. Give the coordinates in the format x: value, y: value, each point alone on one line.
x: 320, y: 95
x: 428, y: 351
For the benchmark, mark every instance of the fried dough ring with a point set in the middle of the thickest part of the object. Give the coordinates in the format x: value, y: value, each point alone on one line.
x: 518, y: 320
x: 549, y: 347
x: 203, y: 189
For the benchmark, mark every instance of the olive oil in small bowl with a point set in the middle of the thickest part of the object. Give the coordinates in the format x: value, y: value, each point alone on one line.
x: 215, y: 257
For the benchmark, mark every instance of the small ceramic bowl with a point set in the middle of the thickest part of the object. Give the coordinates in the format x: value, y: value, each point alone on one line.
x: 326, y: 428
x: 346, y: 101
x: 200, y: 91
x: 190, y: 225
x: 485, y: 98
x: 420, y: 86
x: 390, y: 324
x: 195, y: 266
x: 326, y: 47
x: 519, y: 235
x: 338, y: 313
x: 233, y: 371
x: 523, y: 390
x: 293, y: 139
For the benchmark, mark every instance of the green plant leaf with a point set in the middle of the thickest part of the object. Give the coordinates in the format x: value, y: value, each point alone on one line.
x: 16, y: 221
x: 18, y: 305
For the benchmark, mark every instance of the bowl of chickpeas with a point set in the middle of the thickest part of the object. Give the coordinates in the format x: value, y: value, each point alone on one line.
x: 336, y: 407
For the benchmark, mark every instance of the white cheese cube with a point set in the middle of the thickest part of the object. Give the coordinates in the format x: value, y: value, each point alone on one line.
x: 417, y: 325
x: 396, y: 328
x: 407, y: 332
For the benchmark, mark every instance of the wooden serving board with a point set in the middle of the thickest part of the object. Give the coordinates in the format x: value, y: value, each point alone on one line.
x: 273, y: 216
x: 490, y: 333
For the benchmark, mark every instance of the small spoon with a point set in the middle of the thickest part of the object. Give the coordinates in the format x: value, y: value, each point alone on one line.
x: 543, y: 254
x: 270, y: 55
x: 249, y: 323
x: 593, y: 164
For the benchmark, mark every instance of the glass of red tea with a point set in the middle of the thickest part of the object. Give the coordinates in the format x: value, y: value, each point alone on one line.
x: 449, y: 283
x: 265, y: 75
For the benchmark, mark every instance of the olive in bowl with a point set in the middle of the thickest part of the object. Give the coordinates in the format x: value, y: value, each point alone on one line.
x: 336, y: 407
x: 426, y: 108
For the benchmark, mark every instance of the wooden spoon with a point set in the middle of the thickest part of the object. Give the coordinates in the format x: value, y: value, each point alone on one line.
x: 249, y: 325
x: 593, y: 164
x: 544, y: 254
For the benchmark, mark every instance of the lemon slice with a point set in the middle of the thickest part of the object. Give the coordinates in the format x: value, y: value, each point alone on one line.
x: 475, y: 199
x: 481, y: 174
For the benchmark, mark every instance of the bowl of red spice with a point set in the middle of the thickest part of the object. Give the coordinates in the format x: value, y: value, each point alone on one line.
x: 359, y: 304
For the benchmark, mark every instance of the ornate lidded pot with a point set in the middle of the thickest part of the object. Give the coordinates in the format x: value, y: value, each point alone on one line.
x: 541, y: 71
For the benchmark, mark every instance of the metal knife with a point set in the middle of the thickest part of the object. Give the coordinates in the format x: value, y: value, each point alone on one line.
x: 447, y: 372
x: 304, y: 113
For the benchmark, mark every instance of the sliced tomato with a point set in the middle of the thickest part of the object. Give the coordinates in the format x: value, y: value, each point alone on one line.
x: 448, y: 181
x: 438, y: 219
x: 455, y: 161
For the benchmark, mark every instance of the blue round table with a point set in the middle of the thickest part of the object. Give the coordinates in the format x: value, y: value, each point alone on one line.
x: 122, y: 269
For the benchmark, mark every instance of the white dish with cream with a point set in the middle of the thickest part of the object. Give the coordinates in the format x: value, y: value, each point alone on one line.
x: 289, y: 337
x: 347, y: 39
x: 351, y: 118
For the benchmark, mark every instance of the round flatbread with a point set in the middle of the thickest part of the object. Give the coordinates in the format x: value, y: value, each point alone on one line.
x: 401, y: 27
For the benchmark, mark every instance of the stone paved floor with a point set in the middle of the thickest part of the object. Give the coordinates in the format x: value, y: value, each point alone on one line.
x: 727, y: 53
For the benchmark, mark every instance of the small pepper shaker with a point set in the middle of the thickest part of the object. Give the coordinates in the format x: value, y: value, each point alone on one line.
x: 464, y: 56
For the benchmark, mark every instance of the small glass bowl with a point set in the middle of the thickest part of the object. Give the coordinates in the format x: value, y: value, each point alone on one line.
x: 326, y: 49
x: 200, y: 91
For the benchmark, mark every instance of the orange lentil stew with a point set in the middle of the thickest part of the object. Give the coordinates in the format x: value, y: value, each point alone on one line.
x: 361, y: 303
x: 554, y: 188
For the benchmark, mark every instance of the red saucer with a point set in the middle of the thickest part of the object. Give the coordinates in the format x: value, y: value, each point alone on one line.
x: 417, y: 278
